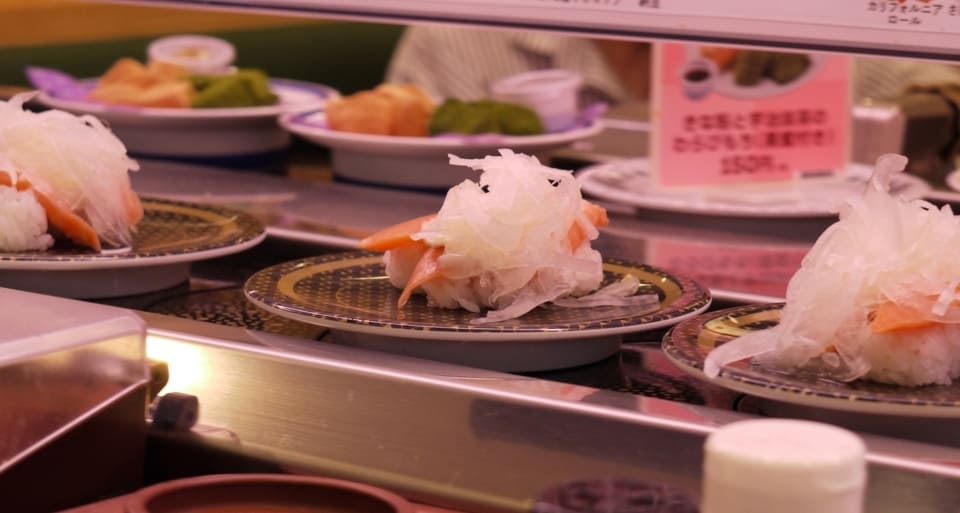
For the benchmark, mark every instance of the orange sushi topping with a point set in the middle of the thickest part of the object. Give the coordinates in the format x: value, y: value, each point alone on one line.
x: 60, y: 218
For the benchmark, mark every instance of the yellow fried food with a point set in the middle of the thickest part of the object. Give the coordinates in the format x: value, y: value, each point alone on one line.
x: 388, y: 109
x: 158, y: 84
x: 723, y: 57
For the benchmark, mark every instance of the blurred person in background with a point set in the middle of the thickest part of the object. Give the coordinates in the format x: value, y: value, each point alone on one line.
x: 462, y: 63
x: 886, y: 79
x: 456, y: 62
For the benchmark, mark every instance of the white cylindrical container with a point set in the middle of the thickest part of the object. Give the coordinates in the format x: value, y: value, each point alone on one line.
x: 552, y: 93
x: 783, y: 466
x: 195, y: 53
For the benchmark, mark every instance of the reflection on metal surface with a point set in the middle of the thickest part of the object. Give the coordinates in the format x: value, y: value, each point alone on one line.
x: 472, y: 439
x: 190, y: 364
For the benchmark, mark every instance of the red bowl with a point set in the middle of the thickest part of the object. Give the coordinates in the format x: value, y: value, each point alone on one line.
x: 264, y: 493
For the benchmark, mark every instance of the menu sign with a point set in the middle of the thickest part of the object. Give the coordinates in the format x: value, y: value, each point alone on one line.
x: 726, y: 115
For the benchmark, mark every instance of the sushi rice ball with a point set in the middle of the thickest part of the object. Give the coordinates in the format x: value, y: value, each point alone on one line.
x: 23, y: 222
x: 875, y: 298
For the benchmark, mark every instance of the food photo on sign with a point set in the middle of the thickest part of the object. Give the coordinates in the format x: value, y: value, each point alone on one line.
x: 729, y: 116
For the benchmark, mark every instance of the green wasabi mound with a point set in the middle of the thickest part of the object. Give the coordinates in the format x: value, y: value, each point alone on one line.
x: 484, y: 116
x: 245, y: 88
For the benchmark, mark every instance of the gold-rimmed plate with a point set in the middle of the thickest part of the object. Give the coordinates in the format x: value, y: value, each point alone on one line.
x: 689, y: 342
x: 171, y: 235
x: 349, y: 293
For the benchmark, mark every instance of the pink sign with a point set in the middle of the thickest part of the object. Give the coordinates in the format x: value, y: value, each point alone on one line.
x: 728, y: 115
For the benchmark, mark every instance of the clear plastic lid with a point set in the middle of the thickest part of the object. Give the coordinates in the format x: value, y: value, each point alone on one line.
x: 61, y: 359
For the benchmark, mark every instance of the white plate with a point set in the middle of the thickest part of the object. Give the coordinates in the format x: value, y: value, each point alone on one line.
x: 292, y: 95
x: 688, y: 344
x: 350, y: 294
x: 202, y: 132
x: 726, y: 86
x: 630, y: 182
x: 170, y: 237
x: 416, y: 162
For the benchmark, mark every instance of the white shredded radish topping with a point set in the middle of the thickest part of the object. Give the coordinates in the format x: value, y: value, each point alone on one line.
x: 618, y: 293
x: 883, y: 249
x: 506, y: 240
x: 75, y: 160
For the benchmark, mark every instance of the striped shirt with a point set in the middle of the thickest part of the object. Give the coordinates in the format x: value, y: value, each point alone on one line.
x: 463, y: 62
x: 884, y: 79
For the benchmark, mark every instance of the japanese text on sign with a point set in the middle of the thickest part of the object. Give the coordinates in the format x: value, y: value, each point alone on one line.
x: 730, y: 115
x: 912, y: 12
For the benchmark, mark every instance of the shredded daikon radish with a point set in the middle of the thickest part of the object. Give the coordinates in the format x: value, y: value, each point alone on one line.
x: 76, y: 160
x: 883, y: 249
x: 618, y: 293
x: 506, y: 239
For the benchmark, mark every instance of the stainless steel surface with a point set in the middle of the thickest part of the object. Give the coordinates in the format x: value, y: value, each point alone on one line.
x: 468, y: 438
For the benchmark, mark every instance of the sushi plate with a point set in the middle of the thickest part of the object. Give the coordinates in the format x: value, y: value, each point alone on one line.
x: 170, y: 237
x: 630, y: 182
x: 351, y: 294
x: 166, y: 132
x: 688, y: 344
x: 417, y: 162
x: 292, y: 94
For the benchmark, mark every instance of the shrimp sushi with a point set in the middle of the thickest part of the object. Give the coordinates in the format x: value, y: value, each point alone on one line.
x: 875, y: 298
x: 75, y: 169
x: 518, y: 237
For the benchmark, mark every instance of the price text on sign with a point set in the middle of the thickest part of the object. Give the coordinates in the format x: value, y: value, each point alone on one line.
x: 751, y: 139
x: 717, y: 120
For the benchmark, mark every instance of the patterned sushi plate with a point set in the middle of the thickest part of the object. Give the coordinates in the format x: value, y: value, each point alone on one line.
x: 350, y: 294
x: 688, y: 343
x: 170, y: 237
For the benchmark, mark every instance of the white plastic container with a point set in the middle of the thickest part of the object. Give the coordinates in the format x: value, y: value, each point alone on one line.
x: 552, y: 93
x: 61, y: 360
x: 198, y: 54
x: 783, y: 466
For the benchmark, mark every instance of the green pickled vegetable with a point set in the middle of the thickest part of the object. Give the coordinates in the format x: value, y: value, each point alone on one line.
x: 751, y: 67
x: 787, y: 67
x: 244, y: 88
x: 484, y: 116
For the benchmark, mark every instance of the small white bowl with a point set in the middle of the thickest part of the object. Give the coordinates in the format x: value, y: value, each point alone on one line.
x: 552, y: 93
x: 198, y: 54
